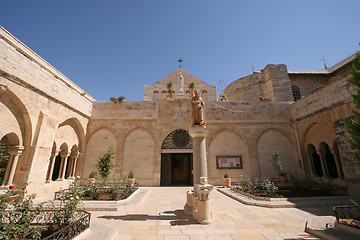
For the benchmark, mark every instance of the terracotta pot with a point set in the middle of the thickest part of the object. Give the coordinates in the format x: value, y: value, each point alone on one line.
x: 283, y: 180
x: 91, y: 180
x: 227, y: 182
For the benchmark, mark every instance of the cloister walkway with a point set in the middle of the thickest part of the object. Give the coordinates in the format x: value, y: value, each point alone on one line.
x: 160, y: 216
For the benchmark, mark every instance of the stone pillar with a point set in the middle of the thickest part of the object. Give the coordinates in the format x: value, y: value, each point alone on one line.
x: 198, y: 202
x: 14, y: 154
x: 199, y: 152
x: 51, y: 166
x: 74, y: 158
x: 64, y: 156
x: 336, y: 162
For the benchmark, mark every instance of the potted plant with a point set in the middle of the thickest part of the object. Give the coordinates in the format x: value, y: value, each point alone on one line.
x: 276, y: 162
x: 92, y: 177
x: 191, y: 87
x: 169, y: 85
x: 131, y: 178
x: 227, y: 180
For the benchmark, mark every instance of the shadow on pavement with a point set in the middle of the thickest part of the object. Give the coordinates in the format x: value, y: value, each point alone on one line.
x: 177, y: 217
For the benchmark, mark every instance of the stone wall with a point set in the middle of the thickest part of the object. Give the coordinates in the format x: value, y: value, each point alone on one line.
x: 137, y: 134
x: 271, y: 84
x: 43, y: 109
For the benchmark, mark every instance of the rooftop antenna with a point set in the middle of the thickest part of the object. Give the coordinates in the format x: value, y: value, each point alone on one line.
x: 180, y: 61
x: 323, y: 59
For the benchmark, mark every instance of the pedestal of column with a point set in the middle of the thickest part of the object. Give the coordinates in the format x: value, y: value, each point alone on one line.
x: 204, y: 213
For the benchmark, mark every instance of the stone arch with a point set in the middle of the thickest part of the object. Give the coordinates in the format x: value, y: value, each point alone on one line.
x: 139, y: 156
x: 15, y: 118
x: 94, y: 150
x: 317, y: 133
x: 314, y: 160
x: 270, y: 141
x: 79, y: 130
x: 11, y: 141
x: 227, y: 142
x: 178, y: 139
x: 71, y: 162
x: 329, y: 161
x: 59, y: 161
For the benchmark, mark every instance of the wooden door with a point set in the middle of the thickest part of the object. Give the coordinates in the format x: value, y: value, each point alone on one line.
x: 181, y: 169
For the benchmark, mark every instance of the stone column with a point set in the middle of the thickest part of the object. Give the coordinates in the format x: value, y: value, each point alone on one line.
x: 14, y: 154
x: 75, y: 157
x: 198, y: 202
x: 64, y: 156
x: 51, y: 166
x: 199, y: 152
x: 336, y: 162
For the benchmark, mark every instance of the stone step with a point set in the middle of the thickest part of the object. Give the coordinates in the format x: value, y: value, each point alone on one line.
x: 324, y: 227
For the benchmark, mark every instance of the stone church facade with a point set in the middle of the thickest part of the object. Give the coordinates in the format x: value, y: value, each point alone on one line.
x: 55, y: 131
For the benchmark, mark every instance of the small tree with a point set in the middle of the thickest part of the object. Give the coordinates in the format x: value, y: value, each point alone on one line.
x: 276, y: 162
x: 104, y: 164
x: 4, y: 156
x: 353, y: 126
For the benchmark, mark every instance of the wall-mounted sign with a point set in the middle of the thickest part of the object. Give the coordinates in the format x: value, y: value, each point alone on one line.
x: 230, y: 162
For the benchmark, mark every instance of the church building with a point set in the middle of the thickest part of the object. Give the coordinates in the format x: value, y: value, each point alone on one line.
x: 53, y: 130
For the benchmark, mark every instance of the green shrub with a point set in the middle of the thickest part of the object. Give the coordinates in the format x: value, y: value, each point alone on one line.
x: 268, y: 187
x: 104, y: 164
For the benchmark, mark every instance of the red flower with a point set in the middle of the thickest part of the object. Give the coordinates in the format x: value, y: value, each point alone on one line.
x: 11, y: 187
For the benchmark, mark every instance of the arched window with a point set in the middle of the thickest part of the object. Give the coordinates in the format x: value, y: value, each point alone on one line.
x: 296, y: 92
x: 156, y: 91
x: 204, y: 91
x: 163, y: 91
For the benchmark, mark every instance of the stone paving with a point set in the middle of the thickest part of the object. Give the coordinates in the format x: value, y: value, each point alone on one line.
x: 161, y: 216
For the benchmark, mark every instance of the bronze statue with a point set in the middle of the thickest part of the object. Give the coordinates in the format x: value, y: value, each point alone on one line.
x: 198, y: 104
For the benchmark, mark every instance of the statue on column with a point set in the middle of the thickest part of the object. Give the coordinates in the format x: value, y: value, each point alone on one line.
x: 197, y: 105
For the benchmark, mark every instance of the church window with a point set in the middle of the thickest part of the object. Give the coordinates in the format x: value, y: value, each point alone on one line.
x: 204, y: 91
x: 163, y: 91
x: 296, y: 92
x: 178, y: 139
x: 156, y: 91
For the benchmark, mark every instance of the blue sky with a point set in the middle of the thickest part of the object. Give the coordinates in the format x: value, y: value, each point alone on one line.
x: 114, y: 48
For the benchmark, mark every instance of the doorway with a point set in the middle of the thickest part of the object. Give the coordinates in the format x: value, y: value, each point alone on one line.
x: 176, y: 169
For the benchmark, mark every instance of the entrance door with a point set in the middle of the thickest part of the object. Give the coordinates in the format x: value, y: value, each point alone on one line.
x: 181, y: 169
x: 176, y: 169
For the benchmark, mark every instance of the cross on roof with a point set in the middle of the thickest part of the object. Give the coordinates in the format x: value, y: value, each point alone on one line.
x: 323, y: 59
x: 180, y: 61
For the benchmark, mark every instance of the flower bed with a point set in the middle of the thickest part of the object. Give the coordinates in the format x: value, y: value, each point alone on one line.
x: 106, y: 190
x: 296, y: 188
x: 21, y: 219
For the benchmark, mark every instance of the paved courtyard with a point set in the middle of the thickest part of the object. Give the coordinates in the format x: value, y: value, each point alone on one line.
x: 160, y: 216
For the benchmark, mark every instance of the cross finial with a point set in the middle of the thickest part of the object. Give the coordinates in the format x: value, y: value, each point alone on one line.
x: 180, y: 61
x: 323, y: 59
x: 252, y: 67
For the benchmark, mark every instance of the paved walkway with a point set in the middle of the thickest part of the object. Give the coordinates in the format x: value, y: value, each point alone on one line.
x: 160, y: 216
